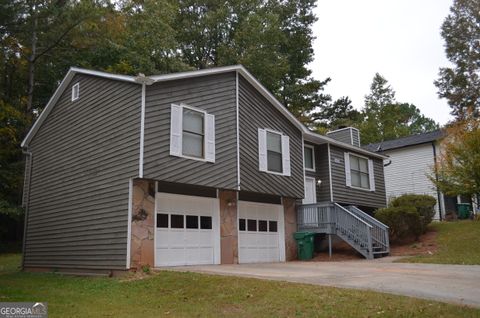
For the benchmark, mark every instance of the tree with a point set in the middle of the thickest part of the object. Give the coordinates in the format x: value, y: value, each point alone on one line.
x: 272, y: 39
x: 460, y: 84
x: 333, y: 115
x: 384, y: 118
x: 457, y: 171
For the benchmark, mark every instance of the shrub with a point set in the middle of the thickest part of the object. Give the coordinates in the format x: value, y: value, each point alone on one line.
x: 424, y: 204
x: 403, y: 221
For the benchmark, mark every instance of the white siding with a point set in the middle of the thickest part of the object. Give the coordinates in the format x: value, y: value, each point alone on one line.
x: 408, y: 172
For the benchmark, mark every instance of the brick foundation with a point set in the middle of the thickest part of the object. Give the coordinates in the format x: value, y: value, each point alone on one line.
x: 143, y: 227
x: 228, y: 227
x: 290, y: 228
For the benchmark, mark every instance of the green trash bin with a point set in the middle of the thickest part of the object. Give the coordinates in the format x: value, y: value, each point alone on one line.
x: 463, y: 210
x: 304, y: 245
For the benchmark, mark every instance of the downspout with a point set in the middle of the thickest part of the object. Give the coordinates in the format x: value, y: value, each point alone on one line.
x: 144, y: 81
x: 26, y: 152
x: 436, y: 178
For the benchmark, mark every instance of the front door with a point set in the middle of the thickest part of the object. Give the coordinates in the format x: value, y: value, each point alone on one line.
x: 310, y: 193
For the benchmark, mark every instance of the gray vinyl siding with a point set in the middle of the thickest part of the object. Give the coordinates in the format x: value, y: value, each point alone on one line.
x: 216, y: 94
x: 83, y: 157
x: 256, y: 112
x: 321, y: 173
x: 26, y: 180
x: 348, y: 135
x: 346, y: 195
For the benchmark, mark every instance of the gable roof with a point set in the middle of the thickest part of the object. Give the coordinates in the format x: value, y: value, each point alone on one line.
x: 314, y: 137
x: 406, y: 141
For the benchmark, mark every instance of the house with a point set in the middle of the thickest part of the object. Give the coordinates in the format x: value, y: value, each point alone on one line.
x: 200, y: 167
x: 410, y: 162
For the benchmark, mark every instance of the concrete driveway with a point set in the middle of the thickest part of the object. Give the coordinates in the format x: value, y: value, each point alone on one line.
x: 457, y: 284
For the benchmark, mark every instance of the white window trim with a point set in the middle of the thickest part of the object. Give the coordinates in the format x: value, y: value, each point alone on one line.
x: 370, y: 174
x: 283, y: 168
x: 76, y: 88
x: 181, y: 155
x: 313, y: 158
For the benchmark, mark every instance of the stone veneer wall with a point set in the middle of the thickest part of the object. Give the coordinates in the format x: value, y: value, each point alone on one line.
x: 228, y: 227
x: 290, y: 228
x: 143, y: 227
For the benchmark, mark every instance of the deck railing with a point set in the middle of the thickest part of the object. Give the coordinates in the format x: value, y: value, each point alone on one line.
x: 379, y: 230
x: 332, y: 218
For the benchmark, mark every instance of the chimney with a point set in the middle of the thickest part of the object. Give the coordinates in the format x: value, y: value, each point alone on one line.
x: 348, y: 135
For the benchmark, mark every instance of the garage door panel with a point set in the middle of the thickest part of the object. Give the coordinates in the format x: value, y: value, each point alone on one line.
x: 261, y: 241
x: 198, y: 239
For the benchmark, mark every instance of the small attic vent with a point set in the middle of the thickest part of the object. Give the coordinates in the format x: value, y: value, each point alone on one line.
x: 75, y: 92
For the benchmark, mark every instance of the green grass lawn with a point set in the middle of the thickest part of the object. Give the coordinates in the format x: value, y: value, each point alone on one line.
x: 458, y: 243
x: 175, y: 294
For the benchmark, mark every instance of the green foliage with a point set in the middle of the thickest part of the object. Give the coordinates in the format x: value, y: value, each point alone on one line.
x: 457, y: 171
x: 423, y: 204
x: 403, y: 221
x: 460, y: 83
x: 384, y: 118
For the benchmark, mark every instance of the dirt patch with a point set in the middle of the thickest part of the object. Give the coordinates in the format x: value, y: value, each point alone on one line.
x: 341, y: 251
x: 426, y: 245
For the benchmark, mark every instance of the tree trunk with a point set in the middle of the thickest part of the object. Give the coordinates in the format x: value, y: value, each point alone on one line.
x: 31, y: 66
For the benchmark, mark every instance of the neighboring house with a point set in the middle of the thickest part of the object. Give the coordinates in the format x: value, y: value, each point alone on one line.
x: 201, y: 167
x: 411, y: 160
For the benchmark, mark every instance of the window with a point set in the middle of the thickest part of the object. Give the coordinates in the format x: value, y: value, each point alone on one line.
x: 252, y: 225
x: 162, y: 220
x: 272, y: 225
x: 206, y: 222
x: 273, y: 152
x: 176, y: 221
x: 192, y: 133
x: 359, y: 172
x: 241, y: 225
x: 75, y: 92
x: 309, y: 158
x: 192, y: 222
x: 262, y: 226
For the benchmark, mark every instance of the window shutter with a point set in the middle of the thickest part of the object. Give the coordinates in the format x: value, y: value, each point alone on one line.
x: 210, y: 138
x: 176, y: 130
x: 348, y: 177
x: 286, y: 155
x: 262, y: 149
x: 371, y: 175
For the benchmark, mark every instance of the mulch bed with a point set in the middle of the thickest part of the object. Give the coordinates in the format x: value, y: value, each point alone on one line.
x: 341, y: 251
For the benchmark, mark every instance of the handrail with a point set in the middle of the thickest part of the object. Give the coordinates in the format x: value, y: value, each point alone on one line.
x: 370, y: 218
x: 380, y: 230
x: 364, y: 233
x: 354, y: 230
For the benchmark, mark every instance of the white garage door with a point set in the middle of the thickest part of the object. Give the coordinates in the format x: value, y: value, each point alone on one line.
x: 187, y: 230
x: 261, y: 233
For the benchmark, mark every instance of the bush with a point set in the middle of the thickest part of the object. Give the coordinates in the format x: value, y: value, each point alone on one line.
x: 402, y: 221
x: 424, y: 204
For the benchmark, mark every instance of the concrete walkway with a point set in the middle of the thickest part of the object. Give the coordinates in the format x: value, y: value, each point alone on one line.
x: 457, y: 284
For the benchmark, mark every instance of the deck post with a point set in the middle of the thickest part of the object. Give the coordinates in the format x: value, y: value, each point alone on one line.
x: 330, y: 245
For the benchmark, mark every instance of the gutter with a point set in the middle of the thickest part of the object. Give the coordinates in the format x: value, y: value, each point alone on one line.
x: 436, y: 178
x: 26, y: 203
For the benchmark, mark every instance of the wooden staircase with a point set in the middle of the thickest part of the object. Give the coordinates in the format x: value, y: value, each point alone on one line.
x: 363, y: 232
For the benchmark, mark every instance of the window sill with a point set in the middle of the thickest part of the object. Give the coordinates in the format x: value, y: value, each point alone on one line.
x: 275, y: 173
x: 310, y: 170
x: 192, y: 158
x: 362, y: 189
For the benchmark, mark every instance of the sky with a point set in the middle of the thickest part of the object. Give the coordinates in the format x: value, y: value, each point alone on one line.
x: 400, y: 39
